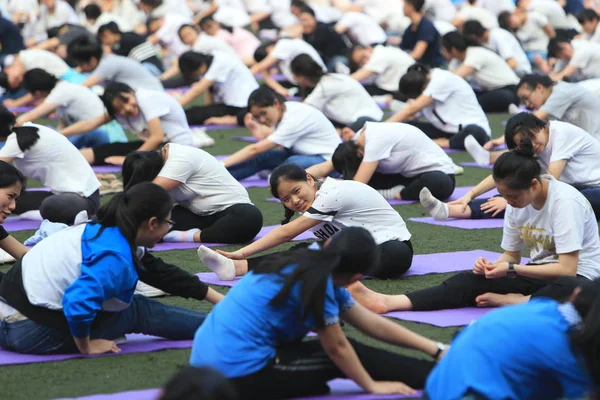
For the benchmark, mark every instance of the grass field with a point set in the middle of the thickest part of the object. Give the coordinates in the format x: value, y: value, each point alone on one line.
x: 130, y: 372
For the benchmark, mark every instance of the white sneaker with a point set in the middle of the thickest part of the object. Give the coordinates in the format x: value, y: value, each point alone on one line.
x: 458, y: 170
x: 201, y: 139
x: 148, y: 291
x: 5, y: 257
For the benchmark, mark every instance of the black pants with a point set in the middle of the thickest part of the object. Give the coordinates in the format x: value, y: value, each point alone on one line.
x: 239, y: 223
x: 462, y: 289
x: 114, y: 149
x: 395, y: 258
x: 356, y: 125
x: 457, y: 140
x: 303, y: 369
x: 440, y: 184
x: 58, y: 207
x: 498, y: 100
x: 377, y: 91
x: 197, y: 115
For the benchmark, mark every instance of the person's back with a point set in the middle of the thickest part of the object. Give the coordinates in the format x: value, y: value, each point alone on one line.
x: 126, y: 70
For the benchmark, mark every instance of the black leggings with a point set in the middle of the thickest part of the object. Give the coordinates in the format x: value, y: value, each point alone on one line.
x: 61, y: 208
x: 395, y: 258
x: 377, y: 91
x: 462, y: 289
x: 498, y: 100
x: 239, y: 223
x: 114, y: 149
x: 197, y: 115
x: 440, y: 184
x: 302, y: 369
x: 457, y: 140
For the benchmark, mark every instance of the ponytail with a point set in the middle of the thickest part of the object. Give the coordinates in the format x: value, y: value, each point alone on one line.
x: 413, y: 82
x: 346, y: 160
x: 27, y: 136
x: 141, y: 166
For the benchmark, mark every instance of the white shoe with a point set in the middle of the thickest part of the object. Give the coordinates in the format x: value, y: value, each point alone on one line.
x: 458, y: 170
x: 201, y: 139
x: 514, y: 109
x: 5, y: 257
x: 148, y: 291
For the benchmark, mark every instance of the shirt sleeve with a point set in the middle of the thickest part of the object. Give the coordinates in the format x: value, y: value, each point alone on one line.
x: 178, y: 169
x: 558, y: 103
x: 437, y: 90
x: 317, y: 98
x: 289, y: 130
x: 581, y: 58
x: 347, y: 20
x: 540, y: 19
x: 326, y: 205
x: 568, y: 225
x: 376, y: 148
x: 151, y: 108
x: 511, y: 241
x: 427, y: 32
x: 106, y: 69
x: 474, y: 58
x: 282, y: 50
x: 378, y: 62
x: 58, y: 96
x: 505, y: 49
x: 218, y: 71
x: 11, y: 148
x: 337, y: 300
x: 565, y: 147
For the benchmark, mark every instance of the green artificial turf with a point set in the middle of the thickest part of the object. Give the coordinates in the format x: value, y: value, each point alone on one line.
x: 139, y: 371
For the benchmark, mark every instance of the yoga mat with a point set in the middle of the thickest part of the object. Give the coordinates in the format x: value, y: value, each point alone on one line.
x: 340, y: 389
x: 450, y: 151
x: 254, y: 181
x: 276, y: 77
x: 250, y: 139
x: 219, y: 127
x: 13, y: 224
x: 22, y: 109
x: 107, y: 169
x: 136, y: 343
x: 441, y: 318
x: 475, y: 165
x: 463, y: 223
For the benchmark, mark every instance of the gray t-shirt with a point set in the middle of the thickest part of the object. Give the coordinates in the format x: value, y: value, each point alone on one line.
x: 574, y: 104
x: 77, y: 103
x: 125, y: 70
x: 73, y: 33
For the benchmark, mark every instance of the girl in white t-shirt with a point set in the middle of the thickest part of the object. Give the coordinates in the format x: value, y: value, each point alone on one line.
x: 447, y: 102
x: 551, y: 218
x: 342, y: 99
x: 212, y: 207
x: 396, y: 159
x: 325, y: 207
x: 43, y: 154
x: 242, y: 41
x: 361, y: 28
x: 303, y: 134
x: 156, y: 117
x: 222, y: 75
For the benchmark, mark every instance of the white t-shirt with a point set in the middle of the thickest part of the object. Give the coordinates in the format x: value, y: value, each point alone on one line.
x: 207, y: 44
x: 455, y: 104
x: 532, y: 35
x: 566, y: 223
x: 285, y: 50
x: 363, y: 29
x: 553, y: 11
x: 440, y: 10
x: 305, y: 131
x: 497, y: 6
x: 281, y: 15
x: 206, y: 185
x: 507, y: 46
x: 232, y: 13
x: 342, y: 204
x: 593, y: 37
x: 76, y: 102
x: 63, y: 13
x: 161, y: 105
x: 49, y: 62
x: 403, y: 149
x: 54, y: 161
x: 586, y: 57
x: 491, y: 71
x: 580, y: 150
x: 233, y: 81
x: 592, y: 85
x: 390, y: 64
x: 168, y: 34
x: 343, y: 99
x: 486, y: 18
x: 123, y: 69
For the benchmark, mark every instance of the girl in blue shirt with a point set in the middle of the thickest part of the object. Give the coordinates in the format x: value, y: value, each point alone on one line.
x: 254, y: 336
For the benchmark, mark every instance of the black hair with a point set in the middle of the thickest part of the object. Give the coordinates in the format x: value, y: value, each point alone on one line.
x: 182, y: 27
x: 413, y: 82
x: 92, y: 11
x: 346, y: 160
x: 351, y: 63
x: 473, y: 28
x: 523, y: 123
x: 151, y: 20
x: 504, y: 21
x: 109, y: 27
x: 152, y: 3
x: 141, y: 166
x: 209, y: 18
x: 304, y: 65
x: 287, y: 172
x: 416, y: 4
x: 517, y: 168
x: 112, y: 91
x: 27, y: 136
x: 587, y: 15
x: 264, y: 96
x: 54, y: 31
x: 83, y: 49
x: 456, y: 40
x: 4, y: 80
x: 305, y: 9
x: 351, y: 251
x: 261, y: 51
x: 204, y: 383
x: 190, y: 61
x: 555, y: 46
x: 10, y: 175
x: 38, y: 80
x: 532, y: 80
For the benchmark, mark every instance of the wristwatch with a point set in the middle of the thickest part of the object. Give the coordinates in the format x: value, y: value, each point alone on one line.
x: 511, y: 270
x: 440, y: 348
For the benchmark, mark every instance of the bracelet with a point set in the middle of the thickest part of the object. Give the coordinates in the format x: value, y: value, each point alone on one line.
x: 440, y: 348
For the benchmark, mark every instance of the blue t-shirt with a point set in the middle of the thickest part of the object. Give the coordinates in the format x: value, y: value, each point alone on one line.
x: 516, y: 352
x: 242, y: 332
x: 425, y: 32
x: 11, y: 41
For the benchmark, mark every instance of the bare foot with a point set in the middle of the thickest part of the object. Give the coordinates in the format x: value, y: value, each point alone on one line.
x: 369, y: 299
x: 225, y: 120
x: 499, y: 300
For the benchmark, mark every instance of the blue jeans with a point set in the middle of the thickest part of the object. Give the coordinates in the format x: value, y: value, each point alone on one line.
x: 270, y: 160
x: 592, y: 194
x: 91, y: 139
x: 13, y: 94
x: 305, y: 161
x: 153, y: 69
x: 143, y: 315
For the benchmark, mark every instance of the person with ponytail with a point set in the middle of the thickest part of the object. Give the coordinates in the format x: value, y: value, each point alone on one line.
x: 74, y: 291
x: 12, y: 187
x: 567, y: 329
x: 447, y: 102
x: 212, y: 207
x: 343, y: 100
x: 255, y: 335
x: 383, y: 156
x: 43, y: 154
x: 290, y: 132
x: 326, y: 207
x: 223, y: 75
x: 551, y: 218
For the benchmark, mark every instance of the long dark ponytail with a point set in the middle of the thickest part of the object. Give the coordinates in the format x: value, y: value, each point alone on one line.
x: 141, y: 166
x: 27, y: 136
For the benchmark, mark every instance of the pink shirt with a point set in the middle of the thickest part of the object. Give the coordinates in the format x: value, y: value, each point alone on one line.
x: 242, y: 41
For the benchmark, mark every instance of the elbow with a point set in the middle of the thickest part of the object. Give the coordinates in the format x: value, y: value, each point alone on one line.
x: 337, y: 348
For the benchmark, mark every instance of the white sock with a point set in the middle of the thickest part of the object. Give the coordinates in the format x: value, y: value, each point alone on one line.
x: 390, y: 194
x: 436, y: 208
x: 220, y: 265
x: 479, y: 154
x: 33, y: 215
x: 180, y: 236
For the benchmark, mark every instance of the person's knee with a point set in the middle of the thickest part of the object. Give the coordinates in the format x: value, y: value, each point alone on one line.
x: 477, y: 132
x: 62, y: 208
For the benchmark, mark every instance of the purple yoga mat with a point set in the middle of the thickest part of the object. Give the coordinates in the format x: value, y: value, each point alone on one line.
x: 22, y: 109
x: 463, y: 223
x: 254, y: 181
x: 250, y: 139
x: 15, y: 224
x: 136, y: 343
x: 107, y: 169
x: 475, y: 165
x: 441, y: 318
x: 450, y: 151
